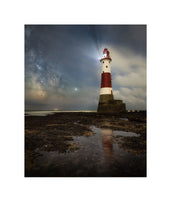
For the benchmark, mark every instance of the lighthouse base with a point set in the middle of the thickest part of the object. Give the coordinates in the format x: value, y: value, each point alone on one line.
x: 107, y: 104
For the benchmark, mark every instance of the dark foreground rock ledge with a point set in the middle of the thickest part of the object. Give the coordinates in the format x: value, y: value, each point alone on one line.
x: 55, y: 133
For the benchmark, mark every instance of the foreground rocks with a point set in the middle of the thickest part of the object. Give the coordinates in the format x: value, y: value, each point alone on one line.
x: 54, y: 133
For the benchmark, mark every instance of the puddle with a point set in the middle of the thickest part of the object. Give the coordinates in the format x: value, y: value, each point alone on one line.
x: 97, y: 155
x: 125, y: 134
x: 124, y: 119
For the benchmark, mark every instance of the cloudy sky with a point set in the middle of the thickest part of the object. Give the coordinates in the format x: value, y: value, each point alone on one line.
x: 63, y: 71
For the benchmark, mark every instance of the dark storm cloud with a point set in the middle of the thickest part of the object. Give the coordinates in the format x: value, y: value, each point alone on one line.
x: 130, y: 36
x: 62, y: 68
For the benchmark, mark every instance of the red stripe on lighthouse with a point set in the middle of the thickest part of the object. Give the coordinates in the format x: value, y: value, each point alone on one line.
x: 106, y: 80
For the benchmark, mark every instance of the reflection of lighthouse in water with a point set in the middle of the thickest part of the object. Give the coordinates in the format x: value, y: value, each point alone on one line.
x: 107, y: 144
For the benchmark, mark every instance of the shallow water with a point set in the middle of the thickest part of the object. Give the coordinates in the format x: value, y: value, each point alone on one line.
x: 125, y: 134
x: 49, y: 112
x: 97, y: 155
x: 39, y: 113
x: 124, y: 119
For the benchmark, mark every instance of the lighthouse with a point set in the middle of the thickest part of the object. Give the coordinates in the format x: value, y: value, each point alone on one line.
x: 106, y: 101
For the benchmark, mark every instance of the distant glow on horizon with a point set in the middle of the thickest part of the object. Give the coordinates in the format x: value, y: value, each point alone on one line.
x: 75, y: 89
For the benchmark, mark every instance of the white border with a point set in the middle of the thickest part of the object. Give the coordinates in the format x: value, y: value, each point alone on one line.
x: 85, y: 198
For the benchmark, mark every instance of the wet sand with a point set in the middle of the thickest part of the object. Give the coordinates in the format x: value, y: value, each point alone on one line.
x: 85, y: 144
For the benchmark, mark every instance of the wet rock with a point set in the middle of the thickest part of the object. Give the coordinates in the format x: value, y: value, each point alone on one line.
x: 54, y: 133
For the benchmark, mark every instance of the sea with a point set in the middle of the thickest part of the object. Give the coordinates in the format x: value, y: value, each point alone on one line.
x: 50, y: 112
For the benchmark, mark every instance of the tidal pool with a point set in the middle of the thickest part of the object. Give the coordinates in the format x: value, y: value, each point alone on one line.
x: 99, y: 155
x: 124, y: 119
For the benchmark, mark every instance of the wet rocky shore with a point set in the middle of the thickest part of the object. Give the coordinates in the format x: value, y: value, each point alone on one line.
x: 86, y: 144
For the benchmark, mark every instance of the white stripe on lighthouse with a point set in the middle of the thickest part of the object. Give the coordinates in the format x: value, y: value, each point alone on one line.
x: 106, y: 91
x: 106, y: 66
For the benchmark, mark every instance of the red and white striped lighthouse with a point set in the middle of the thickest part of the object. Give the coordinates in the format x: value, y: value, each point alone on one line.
x: 106, y: 80
x: 106, y: 100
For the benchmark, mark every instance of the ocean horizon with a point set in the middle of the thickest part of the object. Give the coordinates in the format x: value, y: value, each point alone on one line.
x: 50, y: 112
